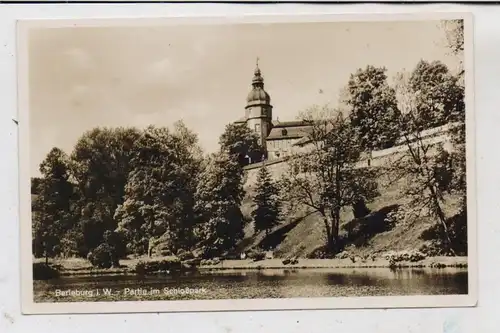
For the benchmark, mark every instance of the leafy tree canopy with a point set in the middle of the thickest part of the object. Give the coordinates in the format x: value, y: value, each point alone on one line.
x: 160, y: 188
x: 218, y: 199
x: 240, y: 141
x: 439, y: 98
x: 373, y: 106
x: 51, y: 207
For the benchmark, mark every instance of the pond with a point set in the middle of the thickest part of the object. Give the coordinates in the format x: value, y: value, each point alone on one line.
x: 267, y: 283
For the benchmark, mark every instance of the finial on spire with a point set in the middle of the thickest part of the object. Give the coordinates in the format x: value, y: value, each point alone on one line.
x: 257, y: 69
x: 257, y: 80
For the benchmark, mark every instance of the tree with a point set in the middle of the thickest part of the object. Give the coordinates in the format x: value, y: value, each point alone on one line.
x: 327, y: 178
x: 218, y: 199
x: 455, y: 35
x: 240, y: 141
x: 159, y: 192
x: 456, y: 41
x: 36, y: 185
x: 189, y: 140
x: 438, y: 96
x: 266, y: 200
x: 373, y: 108
x: 190, y: 156
x: 51, y: 206
x: 424, y: 164
x: 454, y: 30
x: 100, y: 164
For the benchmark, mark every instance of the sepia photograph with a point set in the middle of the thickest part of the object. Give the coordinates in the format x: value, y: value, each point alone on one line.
x: 320, y: 162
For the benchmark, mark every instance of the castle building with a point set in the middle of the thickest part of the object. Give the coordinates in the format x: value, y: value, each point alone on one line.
x: 278, y: 138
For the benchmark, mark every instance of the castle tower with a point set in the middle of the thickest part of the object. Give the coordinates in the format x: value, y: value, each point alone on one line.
x: 258, y: 111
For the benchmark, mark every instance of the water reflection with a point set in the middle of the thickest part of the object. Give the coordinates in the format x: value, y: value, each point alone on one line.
x: 277, y: 283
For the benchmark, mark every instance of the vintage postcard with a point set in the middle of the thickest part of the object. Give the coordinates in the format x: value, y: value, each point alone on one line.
x: 253, y: 163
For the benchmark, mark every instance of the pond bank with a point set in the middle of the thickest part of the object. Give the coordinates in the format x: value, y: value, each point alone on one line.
x: 431, y: 262
x: 81, y: 267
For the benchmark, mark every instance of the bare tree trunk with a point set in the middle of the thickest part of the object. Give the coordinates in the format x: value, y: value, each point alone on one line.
x: 150, y: 247
x: 329, y: 239
x: 442, y: 219
x: 336, y: 213
x: 46, y: 254
x: 335, y: 229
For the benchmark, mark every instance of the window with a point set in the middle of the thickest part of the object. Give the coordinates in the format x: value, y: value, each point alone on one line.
x: 257, y: 128
x: 284, y: 132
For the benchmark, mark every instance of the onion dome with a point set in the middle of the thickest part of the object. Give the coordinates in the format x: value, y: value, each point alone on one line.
x: 258, y: 94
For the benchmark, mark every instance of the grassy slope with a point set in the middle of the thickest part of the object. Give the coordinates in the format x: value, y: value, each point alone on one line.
x: 309, y: 232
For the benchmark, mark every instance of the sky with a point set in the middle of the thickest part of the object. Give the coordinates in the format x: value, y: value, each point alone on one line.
x: 82, y: 78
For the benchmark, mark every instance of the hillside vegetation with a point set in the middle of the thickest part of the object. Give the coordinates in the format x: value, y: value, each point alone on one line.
x: 301, y: 233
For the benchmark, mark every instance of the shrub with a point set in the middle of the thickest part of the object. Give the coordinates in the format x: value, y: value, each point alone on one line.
x: 342, y: 255
x: 319, y: 253
x: 290, y: 261
x: 210, y: 262
x: 185, y: 255
x: 42, y: 271
x: 169, y: 264
x: 140, y: 268
x: 360, y: 230
x: 117, y: 242
x: 103, y: 256
x: 412, y: 256
x: 457, y: 232
x: 391, y: 219
x: 256, y: 255
x: 437, y: 265
x: 432, y: 249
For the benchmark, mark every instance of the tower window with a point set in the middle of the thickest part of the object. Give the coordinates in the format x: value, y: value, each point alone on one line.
x: 257, y: 128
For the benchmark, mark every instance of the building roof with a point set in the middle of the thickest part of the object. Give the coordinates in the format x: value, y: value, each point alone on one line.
x: 288, y: 132
x: 277, y: 123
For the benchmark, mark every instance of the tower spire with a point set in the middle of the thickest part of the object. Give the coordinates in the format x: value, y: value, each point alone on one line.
x: 257, y: 79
